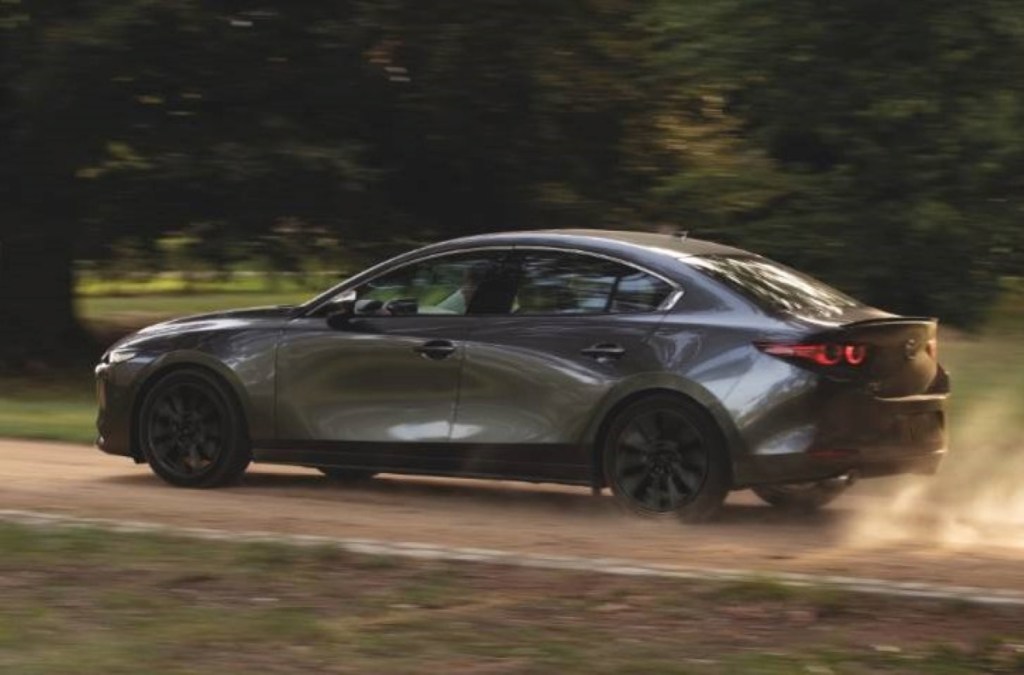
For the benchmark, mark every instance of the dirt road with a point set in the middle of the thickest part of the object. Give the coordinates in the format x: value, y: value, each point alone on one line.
x: 81, y: 481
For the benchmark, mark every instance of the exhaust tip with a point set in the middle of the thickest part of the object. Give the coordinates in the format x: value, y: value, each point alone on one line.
x: 845, y: 480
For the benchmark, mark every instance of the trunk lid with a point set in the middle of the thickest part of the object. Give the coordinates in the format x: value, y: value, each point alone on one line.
x: 902, y: 353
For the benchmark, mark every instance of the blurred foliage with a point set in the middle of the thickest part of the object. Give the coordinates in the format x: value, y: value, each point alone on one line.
x: 876, y: 144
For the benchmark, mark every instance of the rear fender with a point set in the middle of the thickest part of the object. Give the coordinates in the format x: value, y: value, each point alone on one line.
x: 646, y: 384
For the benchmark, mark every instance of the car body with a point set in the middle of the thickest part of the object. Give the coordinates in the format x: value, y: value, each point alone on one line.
x: 518, y: 373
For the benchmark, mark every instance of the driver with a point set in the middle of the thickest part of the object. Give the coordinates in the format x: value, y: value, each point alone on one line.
x: 472, y: 276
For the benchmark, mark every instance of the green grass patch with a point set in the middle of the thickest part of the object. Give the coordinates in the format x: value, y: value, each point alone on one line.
x: 71, y: 421
x: 61, y: 408
x: 179, y: 283
x: 87, y: 600
x: 757, y: 590
x: 135, y: 311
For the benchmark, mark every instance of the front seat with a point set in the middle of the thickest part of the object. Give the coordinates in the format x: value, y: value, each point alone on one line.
x: 494, y: 295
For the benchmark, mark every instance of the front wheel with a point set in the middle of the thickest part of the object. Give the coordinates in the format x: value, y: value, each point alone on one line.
x: 663, y: 455
x: 801, y: 496
x: 191, y: 431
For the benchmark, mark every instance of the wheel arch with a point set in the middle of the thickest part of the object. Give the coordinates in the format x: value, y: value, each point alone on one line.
x: 176, y: 362
x: 697, y: 396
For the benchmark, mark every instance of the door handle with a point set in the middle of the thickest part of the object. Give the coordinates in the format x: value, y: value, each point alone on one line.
x: 435, y: 349
x: 604, y: 352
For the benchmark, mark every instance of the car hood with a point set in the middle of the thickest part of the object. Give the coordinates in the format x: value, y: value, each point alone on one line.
x: 276, y: 312
x: 230, y: 319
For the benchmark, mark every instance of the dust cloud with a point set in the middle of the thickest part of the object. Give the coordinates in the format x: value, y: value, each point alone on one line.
x: 977, y: 498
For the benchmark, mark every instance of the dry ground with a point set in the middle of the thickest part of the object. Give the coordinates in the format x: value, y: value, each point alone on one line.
x: 861, y: 535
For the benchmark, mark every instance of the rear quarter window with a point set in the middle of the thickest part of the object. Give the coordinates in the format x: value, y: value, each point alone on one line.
x: 774, y: 287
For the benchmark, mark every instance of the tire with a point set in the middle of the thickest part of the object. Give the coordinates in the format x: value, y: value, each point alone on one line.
x: 346, y: 475
x: 663, y: 455
x: 192, y: 432
x: 801, y: 496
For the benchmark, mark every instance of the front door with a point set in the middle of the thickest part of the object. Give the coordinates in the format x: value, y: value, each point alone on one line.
x: 386, y: 381
x: 382, y: 379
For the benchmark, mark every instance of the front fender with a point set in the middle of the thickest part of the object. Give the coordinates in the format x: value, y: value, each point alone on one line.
x: 252, y: 390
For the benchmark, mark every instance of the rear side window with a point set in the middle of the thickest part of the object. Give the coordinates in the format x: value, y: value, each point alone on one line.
x: 552, y: 282
x: 775, y: 287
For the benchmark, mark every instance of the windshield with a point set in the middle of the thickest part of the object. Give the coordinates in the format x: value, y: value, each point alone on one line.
x: 776, y: 287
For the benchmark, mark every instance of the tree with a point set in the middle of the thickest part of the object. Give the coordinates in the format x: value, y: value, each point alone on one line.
x: 892, y: 131
x: 141, y: 116
x: 365, y: 118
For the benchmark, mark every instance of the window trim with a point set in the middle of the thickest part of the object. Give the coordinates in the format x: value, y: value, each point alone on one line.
x: 357, y: 281
x: 666, y: 305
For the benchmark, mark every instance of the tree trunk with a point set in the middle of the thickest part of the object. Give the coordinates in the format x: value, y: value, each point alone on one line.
x: 37, y: 314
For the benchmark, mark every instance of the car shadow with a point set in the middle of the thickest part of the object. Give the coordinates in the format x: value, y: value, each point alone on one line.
x: 740, y: 511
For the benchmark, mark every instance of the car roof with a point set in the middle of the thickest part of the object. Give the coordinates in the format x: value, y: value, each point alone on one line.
x: 678, y: 245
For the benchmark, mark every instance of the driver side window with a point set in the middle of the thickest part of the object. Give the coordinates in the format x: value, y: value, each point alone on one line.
x: 457, y: 284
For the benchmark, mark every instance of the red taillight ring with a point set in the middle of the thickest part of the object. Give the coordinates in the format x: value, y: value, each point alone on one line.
x: 828, y: 354
x: 855, y: 354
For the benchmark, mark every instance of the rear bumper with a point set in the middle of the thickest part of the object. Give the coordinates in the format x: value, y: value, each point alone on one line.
x: 842, y: 431
x: 810, y: 467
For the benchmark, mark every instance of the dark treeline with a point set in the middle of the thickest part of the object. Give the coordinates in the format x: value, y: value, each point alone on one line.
x: 877, y: 144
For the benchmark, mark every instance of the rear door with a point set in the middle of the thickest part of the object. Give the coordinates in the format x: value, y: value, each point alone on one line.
x: 533, y: 378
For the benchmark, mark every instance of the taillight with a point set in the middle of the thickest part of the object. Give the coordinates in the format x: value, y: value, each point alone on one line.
x: 823, y: 354
x: 855, y: 354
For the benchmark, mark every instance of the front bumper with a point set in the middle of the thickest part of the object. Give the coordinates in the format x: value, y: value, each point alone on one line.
x: 114, y: 398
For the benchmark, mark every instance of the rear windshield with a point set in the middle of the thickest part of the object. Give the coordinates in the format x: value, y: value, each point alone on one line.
x: 775, y: 287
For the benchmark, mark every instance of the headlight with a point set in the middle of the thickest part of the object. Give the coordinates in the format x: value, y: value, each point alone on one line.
x: 121, y: 355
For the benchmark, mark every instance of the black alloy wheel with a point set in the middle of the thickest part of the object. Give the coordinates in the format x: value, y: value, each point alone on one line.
x: 191, y: 432
x: 663, y: 455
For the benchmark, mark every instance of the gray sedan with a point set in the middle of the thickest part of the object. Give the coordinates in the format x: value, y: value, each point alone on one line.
x: 668, y: 369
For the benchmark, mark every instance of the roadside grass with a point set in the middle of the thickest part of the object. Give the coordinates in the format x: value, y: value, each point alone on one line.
x: 86, y: 600
x: 52, y: 407
x: 987, y: 375
x: 184, y: 283
x: 134, y: 311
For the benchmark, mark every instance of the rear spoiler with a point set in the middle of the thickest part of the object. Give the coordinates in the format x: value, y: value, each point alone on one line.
x: 891, y: 321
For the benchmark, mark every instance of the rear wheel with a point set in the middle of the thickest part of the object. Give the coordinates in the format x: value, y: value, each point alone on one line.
x: 191, y: 431
x: 663, y: 455
x: 346, y: 475
x: 801, y: 496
